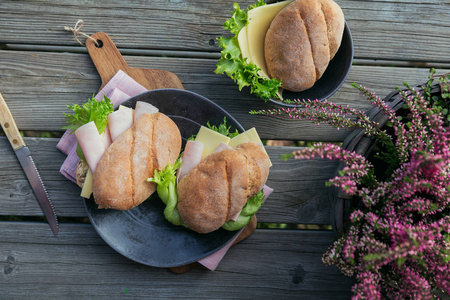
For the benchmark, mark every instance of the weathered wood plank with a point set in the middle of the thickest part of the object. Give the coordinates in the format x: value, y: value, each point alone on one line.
x: 37, y: 87
x: 379, y: 28
x: 300, y: 194
x: 269, y: 264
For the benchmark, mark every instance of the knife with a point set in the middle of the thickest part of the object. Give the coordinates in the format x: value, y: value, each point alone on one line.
x: 24, y: 156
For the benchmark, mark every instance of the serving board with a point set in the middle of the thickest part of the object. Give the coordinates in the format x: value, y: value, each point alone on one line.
x: 108, y: 61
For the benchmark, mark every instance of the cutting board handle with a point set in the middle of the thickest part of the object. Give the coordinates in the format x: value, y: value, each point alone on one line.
x: 108, y: 61
x: 106, y: 57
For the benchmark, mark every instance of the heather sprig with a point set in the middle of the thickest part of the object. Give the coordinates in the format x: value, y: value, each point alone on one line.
x: 397, y: 240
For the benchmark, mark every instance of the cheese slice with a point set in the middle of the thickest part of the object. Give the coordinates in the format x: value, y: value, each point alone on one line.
x: 248, y: 136
x: 259, y: 20
x: 243, y: 43
x: 126, y: 107
x: 86, y: 192
x: 251, y: 37
x: 211, y: 139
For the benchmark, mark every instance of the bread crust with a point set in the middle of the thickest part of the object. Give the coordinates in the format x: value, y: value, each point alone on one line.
x: 119, y: 181
x: 301, y: 41
x: 81, y: 172
x: 217, y: 188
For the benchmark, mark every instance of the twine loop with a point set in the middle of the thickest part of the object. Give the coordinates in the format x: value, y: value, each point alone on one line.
x: 77, y: 31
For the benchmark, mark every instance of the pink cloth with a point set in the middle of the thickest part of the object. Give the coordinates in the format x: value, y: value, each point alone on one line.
x: 118, y: 89
x: 212, y: 261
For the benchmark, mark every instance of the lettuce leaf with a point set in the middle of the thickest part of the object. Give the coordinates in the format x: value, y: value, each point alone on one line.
x: 242, y: 71
x: 223, y: 129
x: 249, y: 209
x: 166, y: 187
x: 92, y: 110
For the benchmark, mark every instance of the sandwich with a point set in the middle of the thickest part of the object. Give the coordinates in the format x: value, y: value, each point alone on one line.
x: 218, y: 182
x: 217, y: 189
x: 122, y: 151
x: 285, y: 45
x: 119, y: 181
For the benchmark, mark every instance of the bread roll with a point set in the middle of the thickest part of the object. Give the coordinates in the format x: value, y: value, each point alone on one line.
x: 81, y: 172
x: 218, y: 188
x: 301, y: 41
x: 119, y: 181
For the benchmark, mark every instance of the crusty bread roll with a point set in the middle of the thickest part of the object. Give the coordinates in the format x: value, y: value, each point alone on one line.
x: 218, y: 188
x: 301, y: 41
x: 81, y: 172
x: 119, y: 182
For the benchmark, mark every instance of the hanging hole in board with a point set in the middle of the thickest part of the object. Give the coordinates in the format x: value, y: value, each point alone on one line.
x: 99, y: 44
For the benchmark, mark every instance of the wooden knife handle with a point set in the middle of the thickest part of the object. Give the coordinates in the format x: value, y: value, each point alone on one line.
x: 9, y: 126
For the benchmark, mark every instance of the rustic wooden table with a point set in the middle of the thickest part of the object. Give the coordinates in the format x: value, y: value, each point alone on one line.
x: 43, y: 69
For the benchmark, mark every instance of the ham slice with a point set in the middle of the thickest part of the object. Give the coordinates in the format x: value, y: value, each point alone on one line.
x: 119, y: 121
x: 222, y: 146
x: 91, y: 143
x: 192, y: 156
x: 142, y: 108
x: 106, y: 137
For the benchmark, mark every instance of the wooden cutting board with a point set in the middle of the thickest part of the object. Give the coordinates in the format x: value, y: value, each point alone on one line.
x: 108, y: 60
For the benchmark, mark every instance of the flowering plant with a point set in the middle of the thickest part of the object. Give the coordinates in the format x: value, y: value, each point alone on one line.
x: 397, y: 240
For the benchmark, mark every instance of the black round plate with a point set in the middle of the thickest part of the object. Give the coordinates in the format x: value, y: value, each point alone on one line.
x: 142, y: 233
x: 332, y: 79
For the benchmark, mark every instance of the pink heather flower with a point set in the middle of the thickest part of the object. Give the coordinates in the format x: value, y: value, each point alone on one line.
x: 397, y: 242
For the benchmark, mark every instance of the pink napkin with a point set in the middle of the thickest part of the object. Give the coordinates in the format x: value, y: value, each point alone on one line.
x: 212, y: 261
x: 118, y: 89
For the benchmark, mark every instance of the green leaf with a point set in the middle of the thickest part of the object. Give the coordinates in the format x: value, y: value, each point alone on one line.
x: 166, y: 181
x: 223, y: 128
x: 401, y: 260
x: 249, y: 209
x: 237, y: 21
x: 287, y: 156
x: 92, y: 110
x: 80, y: 153
x: 243, y: 72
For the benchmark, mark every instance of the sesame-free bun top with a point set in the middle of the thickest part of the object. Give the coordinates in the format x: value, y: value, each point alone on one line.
x: 301, y: 40
x: 218, y: 188
x: 119, y: 182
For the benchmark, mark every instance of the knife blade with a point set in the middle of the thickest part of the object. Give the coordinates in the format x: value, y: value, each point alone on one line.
x: 26, y: 161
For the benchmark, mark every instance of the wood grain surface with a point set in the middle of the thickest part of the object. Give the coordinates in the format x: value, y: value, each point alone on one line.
x: 48, y: 82
x: 405, y: 30
x: 270, y: 264
x: 300, y: 195
x: 43, y: 69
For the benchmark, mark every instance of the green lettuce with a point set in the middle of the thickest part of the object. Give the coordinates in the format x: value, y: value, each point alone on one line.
x: 242, y: 71
x: 249, y: 209
x: 166, y: 187
x: 92, y: 110
x: 223, y: 129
